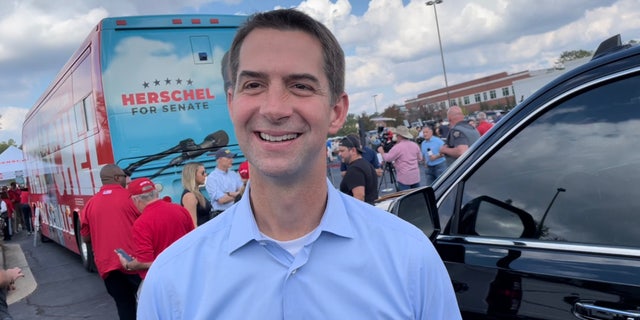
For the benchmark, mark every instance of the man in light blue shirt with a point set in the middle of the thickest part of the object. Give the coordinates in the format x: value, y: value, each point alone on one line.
x: 435, y: 161
x: 294, y: 247
x: 223, y: 184
x: 359, y: 263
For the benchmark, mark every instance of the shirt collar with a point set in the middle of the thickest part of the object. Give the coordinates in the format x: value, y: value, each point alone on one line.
x: 220, y: 171
x: 244, y: 228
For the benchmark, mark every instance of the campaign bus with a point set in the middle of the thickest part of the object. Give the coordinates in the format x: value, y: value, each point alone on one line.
x: 144, y: 92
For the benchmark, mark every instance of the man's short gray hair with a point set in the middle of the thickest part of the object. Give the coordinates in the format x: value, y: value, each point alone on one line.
x: 146, y: 197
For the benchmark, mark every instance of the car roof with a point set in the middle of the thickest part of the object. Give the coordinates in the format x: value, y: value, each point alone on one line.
x: 606, y: 54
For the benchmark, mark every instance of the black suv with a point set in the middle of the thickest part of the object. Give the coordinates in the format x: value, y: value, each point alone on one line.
x: 541, y: 216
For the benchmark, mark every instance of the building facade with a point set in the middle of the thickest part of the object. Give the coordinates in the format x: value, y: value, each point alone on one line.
x: 490, y: 92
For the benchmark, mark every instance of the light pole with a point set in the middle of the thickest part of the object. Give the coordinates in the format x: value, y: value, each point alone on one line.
x: 444, y: 70
x: 375, y: 103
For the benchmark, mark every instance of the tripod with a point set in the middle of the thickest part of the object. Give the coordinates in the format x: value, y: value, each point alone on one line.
x: 388, y: 168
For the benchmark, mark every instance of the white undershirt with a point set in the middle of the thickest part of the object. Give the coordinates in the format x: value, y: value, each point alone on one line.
x: 293, y: 246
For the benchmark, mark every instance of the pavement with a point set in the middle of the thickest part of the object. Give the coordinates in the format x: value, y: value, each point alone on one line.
x: 12, y: 256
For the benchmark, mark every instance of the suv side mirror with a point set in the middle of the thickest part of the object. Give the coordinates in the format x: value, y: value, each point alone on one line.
x: 419, y: 208
x: 486, y: 216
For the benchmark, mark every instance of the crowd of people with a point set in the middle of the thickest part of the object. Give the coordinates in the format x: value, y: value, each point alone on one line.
x: 129, y: 225
x: 402, y: 152
x: 15, y: 210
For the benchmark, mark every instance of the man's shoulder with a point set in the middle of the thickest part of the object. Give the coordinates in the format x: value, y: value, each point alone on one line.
x: 362, y: 163
x: 216, y: 172
x: 210, y: 236
x: 164, y: 206
x: 109, y: 196
x: 386, y: 226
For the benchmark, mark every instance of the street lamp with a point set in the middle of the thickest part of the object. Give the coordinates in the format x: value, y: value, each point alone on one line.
x: 375, y: 102
x: 444, y: 70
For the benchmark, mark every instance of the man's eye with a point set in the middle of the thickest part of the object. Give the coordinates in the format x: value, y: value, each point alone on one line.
x: 300, y: 86
x: 252, y: 85
x: 302, y: 90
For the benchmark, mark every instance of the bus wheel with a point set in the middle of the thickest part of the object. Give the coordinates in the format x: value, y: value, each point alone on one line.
x: 86, y: 252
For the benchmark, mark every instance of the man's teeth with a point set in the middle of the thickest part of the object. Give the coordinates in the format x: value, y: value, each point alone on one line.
x: 271, y: 138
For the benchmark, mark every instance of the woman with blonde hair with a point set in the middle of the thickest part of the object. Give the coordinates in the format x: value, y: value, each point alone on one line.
x: 193, y: 176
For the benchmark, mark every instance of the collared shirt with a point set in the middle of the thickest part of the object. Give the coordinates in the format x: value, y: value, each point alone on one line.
x: 160, y: 224
x: 108, y: 218
x: 359, y: 263
x: 220, y: 182
x: 434, y: 144
x: 461, y: 134
x: 405, y: 155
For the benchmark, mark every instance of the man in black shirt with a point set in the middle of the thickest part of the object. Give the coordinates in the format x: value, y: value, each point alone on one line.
x: 360, y: 180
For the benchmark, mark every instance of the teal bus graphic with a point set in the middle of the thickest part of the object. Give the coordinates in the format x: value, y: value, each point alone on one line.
x: 144, y: 92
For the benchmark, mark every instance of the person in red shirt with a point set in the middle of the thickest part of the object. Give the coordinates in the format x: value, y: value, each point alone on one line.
x: 106, y: 223
x: 483, y: 124
x: 160, y: 224
x: 14, y: 197
x: 25, y: 209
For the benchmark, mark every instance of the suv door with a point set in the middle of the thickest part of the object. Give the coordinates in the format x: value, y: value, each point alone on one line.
x: 545, y: 220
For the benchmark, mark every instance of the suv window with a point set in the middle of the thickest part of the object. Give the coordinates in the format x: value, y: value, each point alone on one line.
x: 574, y: 170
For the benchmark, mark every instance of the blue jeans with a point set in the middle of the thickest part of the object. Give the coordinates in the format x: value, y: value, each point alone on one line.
x: 407, y: 187
x: 433, y: 172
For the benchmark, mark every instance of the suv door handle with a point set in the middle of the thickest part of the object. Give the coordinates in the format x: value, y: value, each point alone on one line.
x: 592, y: 312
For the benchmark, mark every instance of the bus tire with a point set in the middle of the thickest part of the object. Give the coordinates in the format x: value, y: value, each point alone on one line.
x: 86, y: 251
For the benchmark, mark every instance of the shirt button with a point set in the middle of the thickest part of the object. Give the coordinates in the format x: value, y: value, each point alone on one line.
x: 294, y: 271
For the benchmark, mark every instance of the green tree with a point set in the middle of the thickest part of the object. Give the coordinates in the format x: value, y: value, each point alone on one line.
x: 349, y: 126
x: 6, y: 144
x: 393, y: 112
x: 573, y: 55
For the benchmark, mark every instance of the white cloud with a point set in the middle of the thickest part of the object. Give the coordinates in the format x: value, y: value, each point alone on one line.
x: 11, y: 119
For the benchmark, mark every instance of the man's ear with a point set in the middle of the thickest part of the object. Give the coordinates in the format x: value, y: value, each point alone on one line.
x: 229, y: 100
x: 339, y: 113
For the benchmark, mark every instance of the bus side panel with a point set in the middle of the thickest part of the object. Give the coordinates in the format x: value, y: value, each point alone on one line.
x: 65, y: 143
x: 166, y: 101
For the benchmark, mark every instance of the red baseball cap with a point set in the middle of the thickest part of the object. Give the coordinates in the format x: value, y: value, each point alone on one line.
x: 140, y: 186
x: 243, y: 170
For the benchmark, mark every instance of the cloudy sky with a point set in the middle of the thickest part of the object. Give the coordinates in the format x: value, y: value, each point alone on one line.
x: 391, y: 45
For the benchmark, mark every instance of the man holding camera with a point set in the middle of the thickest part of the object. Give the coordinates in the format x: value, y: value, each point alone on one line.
x: 405, y: 155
